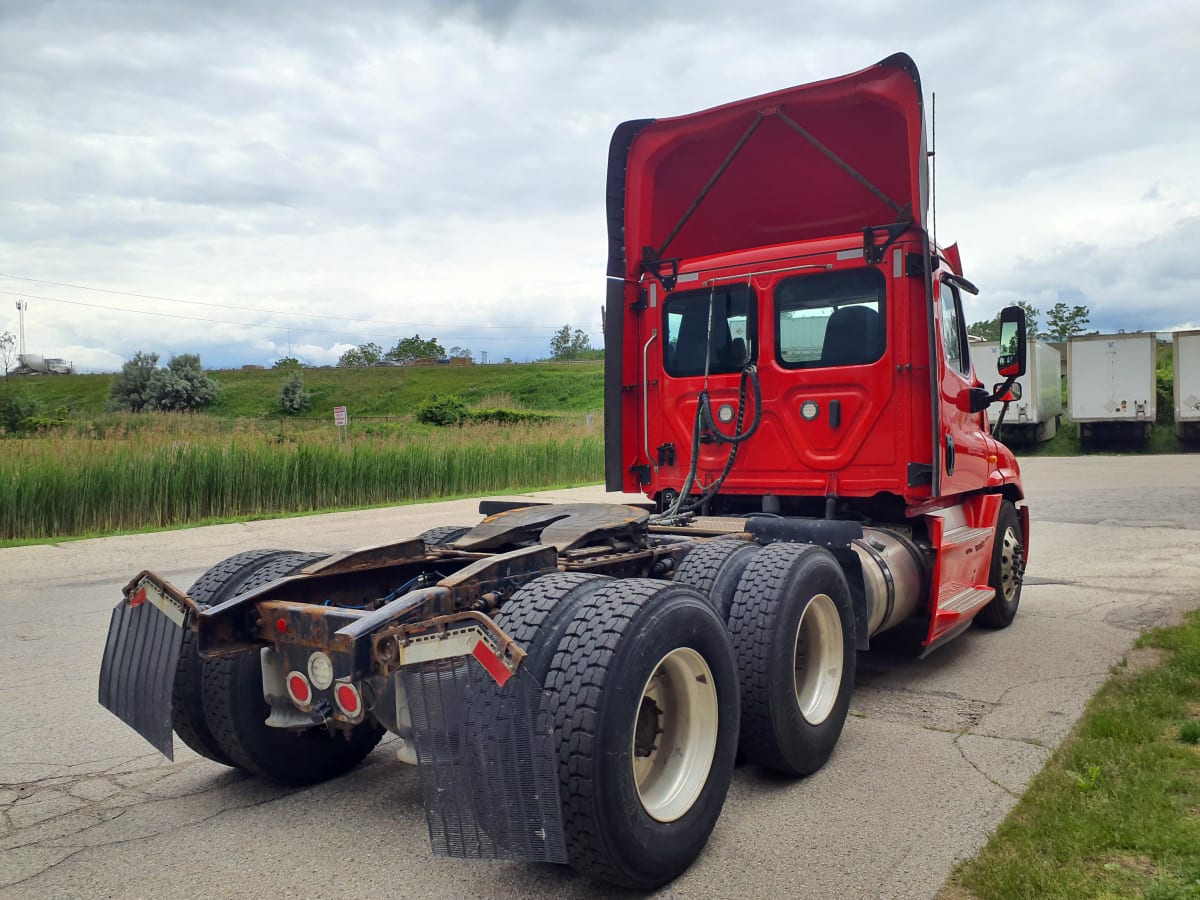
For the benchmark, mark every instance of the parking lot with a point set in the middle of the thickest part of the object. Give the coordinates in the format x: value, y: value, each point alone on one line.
x: 934, y: 754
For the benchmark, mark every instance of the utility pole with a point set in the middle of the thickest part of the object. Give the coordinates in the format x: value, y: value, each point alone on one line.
x: 22, y: 305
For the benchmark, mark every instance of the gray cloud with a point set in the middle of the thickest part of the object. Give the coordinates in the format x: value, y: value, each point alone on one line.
x: 282, y: 154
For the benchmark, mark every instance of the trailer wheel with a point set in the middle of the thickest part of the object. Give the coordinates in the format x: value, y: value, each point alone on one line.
x: 1008, y: 568
x: 643, y: 695
x: 235, y: 710
x: 438, y: 538
x: 714, y: 568
x: 223, y: 581
x: 792, y: 626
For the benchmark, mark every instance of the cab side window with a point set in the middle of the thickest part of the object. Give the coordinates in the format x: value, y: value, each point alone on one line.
x: 954, y: 334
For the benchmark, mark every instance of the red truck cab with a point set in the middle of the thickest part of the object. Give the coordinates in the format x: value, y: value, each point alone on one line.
x: 783, y: 335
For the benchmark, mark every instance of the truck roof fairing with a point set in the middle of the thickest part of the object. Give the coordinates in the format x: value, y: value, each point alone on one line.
x: 828, y: 158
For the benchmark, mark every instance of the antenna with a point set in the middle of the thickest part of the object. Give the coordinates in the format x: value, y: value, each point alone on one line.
x: 933, y: 181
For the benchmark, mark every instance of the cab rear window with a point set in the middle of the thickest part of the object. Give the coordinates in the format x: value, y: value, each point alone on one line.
x: 734, y: 330
x: 830, y: 319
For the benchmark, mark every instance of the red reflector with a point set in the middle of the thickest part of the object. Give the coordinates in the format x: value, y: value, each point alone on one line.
x: 281, y: 625
x: 491, y: 662
x: 347, y: 699
x: 298, y: 688
x: 139, y: 598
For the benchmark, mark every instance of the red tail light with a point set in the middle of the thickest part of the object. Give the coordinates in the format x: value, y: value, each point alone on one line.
x: 299, y: 689
x: 348, y: 700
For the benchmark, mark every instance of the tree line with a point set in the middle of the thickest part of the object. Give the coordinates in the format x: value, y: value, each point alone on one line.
x: 566, y: 344
x: 1062, y: 322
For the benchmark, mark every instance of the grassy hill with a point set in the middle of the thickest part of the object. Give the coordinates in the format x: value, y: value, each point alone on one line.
x: 384, y: 391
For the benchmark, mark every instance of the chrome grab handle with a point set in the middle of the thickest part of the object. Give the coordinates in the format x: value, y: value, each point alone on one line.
x: 646, y: 397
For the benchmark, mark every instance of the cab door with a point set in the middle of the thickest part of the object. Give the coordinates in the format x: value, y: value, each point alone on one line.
x: 964, y: 447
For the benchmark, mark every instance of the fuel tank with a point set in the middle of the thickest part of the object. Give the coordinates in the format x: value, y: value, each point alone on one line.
x: 895, y: 576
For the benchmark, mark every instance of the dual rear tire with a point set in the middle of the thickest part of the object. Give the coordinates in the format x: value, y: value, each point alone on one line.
x: 217, y: 705
x: 641, y: 686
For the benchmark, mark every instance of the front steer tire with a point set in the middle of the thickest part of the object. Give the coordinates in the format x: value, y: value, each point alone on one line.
x: 643, y: 676
x: 1006, y: 572
x: 792, y: 627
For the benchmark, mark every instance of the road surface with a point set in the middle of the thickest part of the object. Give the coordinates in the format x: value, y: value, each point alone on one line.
x: 934, y: 754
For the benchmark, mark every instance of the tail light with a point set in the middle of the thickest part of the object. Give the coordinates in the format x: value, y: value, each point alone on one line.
x: 348, y: 699
x: 299, y: 689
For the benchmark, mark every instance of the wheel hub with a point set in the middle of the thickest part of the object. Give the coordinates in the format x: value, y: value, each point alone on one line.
x: 819, y: 659
x: 674, y: 735
x: 1012, y: 565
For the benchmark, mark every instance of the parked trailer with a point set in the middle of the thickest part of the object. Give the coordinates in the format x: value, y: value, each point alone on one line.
x: 1037, y: 414
x: 1111, y: 385
x: 1186, y: 356
x: 574, y: 682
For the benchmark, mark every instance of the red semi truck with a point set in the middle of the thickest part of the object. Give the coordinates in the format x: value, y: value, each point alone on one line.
x: 788, y: 384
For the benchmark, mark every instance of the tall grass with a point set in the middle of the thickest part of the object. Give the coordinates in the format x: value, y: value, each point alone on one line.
x: 124, y: 476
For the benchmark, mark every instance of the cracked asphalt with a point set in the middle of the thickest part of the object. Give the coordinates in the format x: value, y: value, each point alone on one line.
x: 934, y: 754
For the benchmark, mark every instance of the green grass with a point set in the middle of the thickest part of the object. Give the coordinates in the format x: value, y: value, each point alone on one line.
x: 164, y: 470
x: 383, y: 391
x: 1116, y: 811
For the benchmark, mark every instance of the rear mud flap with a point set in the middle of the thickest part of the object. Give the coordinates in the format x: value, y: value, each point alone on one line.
x: 488, y: 762
x: 138, y: 671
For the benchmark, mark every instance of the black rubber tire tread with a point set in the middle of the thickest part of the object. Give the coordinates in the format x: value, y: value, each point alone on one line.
x: 537, y: 615
x: 436, y: 538
x: 588, y: 670
x: 774, y: 591
x: 218, y: 584
x: 236, y: 711
x: 714, y: 568
x: 998, y: 614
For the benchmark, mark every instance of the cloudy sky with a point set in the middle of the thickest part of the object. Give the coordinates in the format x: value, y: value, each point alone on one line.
x: 315, y: 175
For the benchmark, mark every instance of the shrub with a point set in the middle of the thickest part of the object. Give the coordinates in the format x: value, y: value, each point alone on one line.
x: 508, y: 416
x: 293, y: 398
x: 18, y: 412
x: 141, y: 385
x: 1165, y: 401
x: 446, y: 409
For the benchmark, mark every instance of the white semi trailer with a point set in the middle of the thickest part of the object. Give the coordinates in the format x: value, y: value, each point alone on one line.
x: 1111, y: 385
x: 1187, y: 385
x: 1036, y: 416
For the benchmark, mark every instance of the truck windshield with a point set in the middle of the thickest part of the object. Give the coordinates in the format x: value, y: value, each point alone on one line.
x: 830, y: 319
x: 734, y: 330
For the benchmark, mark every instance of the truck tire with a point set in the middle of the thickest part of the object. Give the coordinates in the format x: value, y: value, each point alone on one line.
x: 714, y: 568
x: 643, y: 694
x: 224, y: 580
x: 437, y: 538
x: 792, y: 627
x: 537, y: 615
x: 1007, y: 570
x: 235, y: 711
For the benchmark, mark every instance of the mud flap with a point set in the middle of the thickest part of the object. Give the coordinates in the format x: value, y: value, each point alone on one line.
x: 137, y: 672
x: 488, y: 762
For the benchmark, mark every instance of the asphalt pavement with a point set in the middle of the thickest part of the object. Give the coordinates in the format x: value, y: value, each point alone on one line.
x: 934, y: 754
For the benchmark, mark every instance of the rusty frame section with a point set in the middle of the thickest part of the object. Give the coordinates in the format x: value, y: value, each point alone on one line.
x: 390, y: 644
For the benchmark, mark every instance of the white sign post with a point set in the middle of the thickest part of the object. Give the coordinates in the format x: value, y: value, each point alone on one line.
x: 341, y: 420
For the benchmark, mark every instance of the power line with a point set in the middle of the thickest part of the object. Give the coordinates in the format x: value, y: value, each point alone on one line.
x: 143, y: 312
x: 279, y: 312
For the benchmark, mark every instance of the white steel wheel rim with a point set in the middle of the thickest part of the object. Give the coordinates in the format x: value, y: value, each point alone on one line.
x: 818, y: 659
x: 674, y: 734
x: 1010, y: 555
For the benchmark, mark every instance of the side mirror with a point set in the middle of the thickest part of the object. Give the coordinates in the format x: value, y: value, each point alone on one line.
x: 1003, y: 396
x: 1013, y: 345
